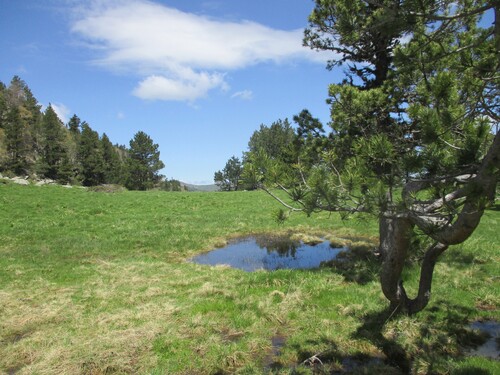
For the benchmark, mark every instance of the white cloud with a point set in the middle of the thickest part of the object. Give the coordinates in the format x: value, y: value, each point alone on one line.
x: 181, y: 56
x: 61, y: 111
x: 180, y: 88
x: 243, y: 95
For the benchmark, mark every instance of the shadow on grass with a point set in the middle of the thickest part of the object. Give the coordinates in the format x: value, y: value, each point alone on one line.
x: 494, y: 207
x: 471, y: 370
x: 439, y: 341
x: 371, y: 330
x: 460, y: 258
x: 436, y: 343
x: 443, y: 321
x: 363, y: 265
x: 334, y: 361
x: 359, y: 264
x: 441, y: 334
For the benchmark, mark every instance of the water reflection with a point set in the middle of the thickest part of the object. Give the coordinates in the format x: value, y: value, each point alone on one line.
x: 284, y: 246
x: 489, y: 349
x: 270, y: 253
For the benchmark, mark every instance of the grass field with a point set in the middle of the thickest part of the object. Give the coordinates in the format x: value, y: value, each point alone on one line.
x: 101, y: 283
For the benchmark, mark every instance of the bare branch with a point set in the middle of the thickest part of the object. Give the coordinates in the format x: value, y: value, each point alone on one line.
x: 427, y: 207
x: 291, y: 208
x: 414, y: 186
x: 449, y: 144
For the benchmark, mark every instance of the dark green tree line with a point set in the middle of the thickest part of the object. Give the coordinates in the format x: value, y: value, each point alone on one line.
x: 36, y: 143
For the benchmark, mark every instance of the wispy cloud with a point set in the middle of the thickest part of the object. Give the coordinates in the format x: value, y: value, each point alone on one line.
x: 61, y: 111
x: 21, y: 69
x: 243, y: 95
x: 180, y: 56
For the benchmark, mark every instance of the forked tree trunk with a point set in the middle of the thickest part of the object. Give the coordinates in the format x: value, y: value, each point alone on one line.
x: 395, y: 237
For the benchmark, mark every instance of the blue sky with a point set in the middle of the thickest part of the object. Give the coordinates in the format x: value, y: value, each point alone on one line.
x: 198, y: 76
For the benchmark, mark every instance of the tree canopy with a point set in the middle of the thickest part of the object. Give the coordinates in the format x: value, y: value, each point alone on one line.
x: 143, y: 163
x: 90, y: 156
x: 275, y: 140
x: 229, y: 178
x: 414, y: 128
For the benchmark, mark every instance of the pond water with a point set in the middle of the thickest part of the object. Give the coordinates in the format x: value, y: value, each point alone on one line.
x: 490, y: 348
x: 269, y: 253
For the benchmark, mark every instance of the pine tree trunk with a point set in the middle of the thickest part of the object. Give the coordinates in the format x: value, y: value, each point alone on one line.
x: 426, y: 272
x: 395, y: 236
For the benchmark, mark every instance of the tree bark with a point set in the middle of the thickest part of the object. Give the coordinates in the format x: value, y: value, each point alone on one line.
x: 395, y: 235
x: 426, y: 272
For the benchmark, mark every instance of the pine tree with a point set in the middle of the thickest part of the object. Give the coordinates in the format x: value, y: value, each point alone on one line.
x: 16, y: 94
x: 74, y: 124
x: 229, y: 178
x: 275, y: 140
x: 143, y: 163
x: 53, y: 150
x: 111, y: 161
x: 3, y: 104
x: 90, y: 157
x: 17, y: 143
x: 413, y: 128
x: 73, y: 139
x: 32, y: 114
x: 20, y: 117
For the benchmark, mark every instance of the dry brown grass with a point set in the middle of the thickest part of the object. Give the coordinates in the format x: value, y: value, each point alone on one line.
x: 50, y: 329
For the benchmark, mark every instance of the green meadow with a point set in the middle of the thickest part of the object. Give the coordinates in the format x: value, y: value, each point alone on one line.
x: 101, y: 283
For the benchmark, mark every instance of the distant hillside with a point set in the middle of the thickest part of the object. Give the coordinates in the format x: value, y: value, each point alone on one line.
x: 203, y: 188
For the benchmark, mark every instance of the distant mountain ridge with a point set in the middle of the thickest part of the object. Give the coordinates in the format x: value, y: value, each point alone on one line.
x: 200, y: 188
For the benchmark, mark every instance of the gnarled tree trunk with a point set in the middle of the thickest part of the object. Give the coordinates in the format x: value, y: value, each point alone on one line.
x: 395, y: 236
x: 396, y: 229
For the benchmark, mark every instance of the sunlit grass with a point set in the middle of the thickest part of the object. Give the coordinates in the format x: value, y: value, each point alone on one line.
x: 96, y: 283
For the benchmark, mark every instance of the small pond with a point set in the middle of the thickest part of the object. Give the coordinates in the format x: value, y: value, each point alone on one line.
x: 269, y: 253
x: 490, y: 349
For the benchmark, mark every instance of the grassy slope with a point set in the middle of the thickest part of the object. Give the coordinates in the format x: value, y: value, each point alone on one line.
x: 100, y: 283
